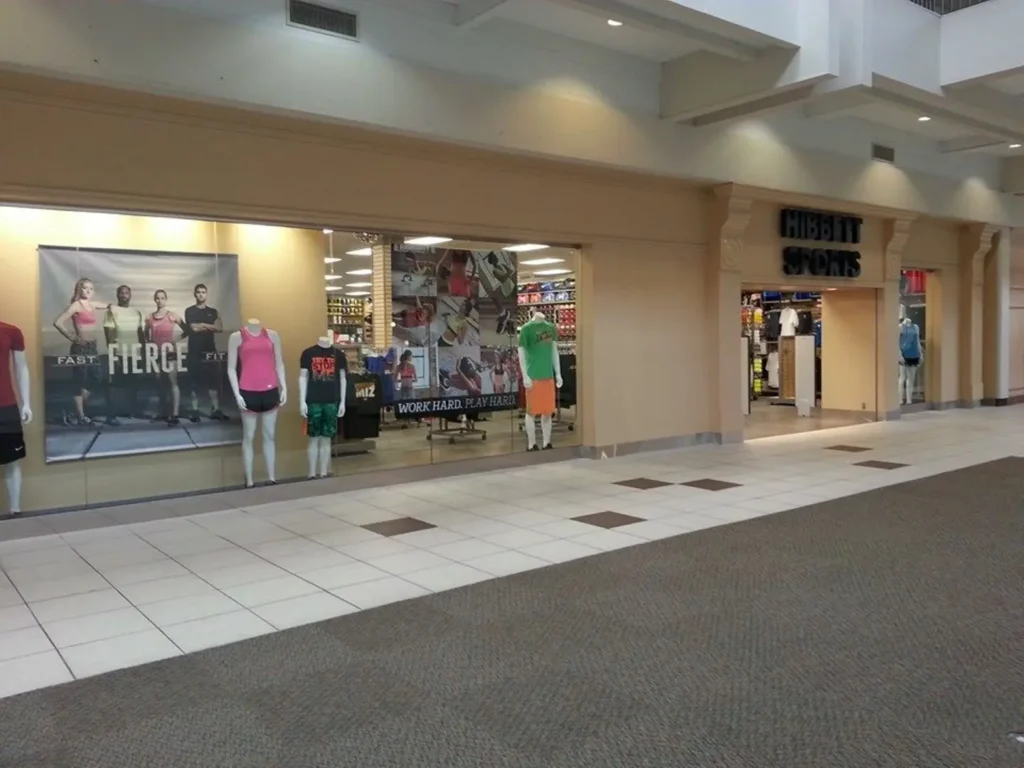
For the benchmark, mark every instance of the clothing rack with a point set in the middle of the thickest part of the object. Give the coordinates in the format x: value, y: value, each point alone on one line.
x: 466, y: 429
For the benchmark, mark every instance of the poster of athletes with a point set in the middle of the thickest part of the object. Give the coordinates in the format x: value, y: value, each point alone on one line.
x: 134, y: 351
x: 454, y: 327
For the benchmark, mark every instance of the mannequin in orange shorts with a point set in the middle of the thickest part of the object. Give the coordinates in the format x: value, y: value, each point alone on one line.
x: 541, y: 376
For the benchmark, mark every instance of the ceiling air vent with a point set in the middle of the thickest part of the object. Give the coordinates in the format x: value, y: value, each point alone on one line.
x: 321, y: 19
x: 883, y: 153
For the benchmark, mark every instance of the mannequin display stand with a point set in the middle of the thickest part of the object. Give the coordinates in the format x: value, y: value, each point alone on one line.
x: 12, y: 415
x: 911, y: 357
x: 541, y: 376
x: 257, y: 378
x: 322, y: 389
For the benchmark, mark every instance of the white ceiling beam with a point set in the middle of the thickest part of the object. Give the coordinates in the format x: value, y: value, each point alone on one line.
x: 969, y: 144
x: 472, y: 13
x: 838, y: 102
x: 770, y: 103
x: 652, y: 22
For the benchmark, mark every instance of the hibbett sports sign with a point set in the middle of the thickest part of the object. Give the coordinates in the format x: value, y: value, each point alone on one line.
x: 445, y: 406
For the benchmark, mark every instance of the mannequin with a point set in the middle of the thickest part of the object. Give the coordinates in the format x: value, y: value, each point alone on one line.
x: 13, y: 416
x: 256, y: 375
x: 910, y: 359
x: 541, y: 375
x: 322, y: 388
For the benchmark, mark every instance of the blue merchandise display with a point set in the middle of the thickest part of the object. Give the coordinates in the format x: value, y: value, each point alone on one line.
x: 910, y: 341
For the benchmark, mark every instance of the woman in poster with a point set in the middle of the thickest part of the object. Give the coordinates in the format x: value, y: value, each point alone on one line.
x: 406, y: 372
x: 459, y: 267
x: 412, y: 324
x: 161, y: 328
x: 457, y: 326
x: 467, y: 377
x: 498, y: 373
x: 85, y: 313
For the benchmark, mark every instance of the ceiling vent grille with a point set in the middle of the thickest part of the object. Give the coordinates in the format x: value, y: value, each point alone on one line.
x: 321, y: 19
x: 883, y: 153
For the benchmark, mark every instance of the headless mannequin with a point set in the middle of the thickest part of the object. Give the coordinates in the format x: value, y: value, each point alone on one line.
x: 908, y: 370
x: 529, y: 423
x: 250, y: 420
x: 318, y: 449
x: 12, y: 471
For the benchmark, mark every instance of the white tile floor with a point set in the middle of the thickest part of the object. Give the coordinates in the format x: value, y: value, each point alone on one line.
x: 84, y: 603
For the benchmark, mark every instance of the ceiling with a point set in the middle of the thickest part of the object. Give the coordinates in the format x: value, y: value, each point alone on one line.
x: 340, y: 243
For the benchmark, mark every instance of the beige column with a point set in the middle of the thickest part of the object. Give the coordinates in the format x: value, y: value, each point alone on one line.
x: 943, y: 324
x: 723, y: 283
x: 896, y: 235
x: 975, y: 244
x: 996, y: 321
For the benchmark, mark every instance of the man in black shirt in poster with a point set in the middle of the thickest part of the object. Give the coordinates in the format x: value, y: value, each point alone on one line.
x: 204, y: 366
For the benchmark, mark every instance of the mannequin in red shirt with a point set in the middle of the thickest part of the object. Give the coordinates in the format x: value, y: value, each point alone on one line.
x: 14, y: 386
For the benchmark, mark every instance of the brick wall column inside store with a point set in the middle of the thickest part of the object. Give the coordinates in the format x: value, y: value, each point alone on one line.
x: 976, y: 240
x: 996, y: 321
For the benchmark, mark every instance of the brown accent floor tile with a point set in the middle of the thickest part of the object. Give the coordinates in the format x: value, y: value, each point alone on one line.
x: 710, y: 484
x: 643, y: 483
x: 880, y: 464
x: 848, y: 448
x: 398, y: 527
x: 608, y: 519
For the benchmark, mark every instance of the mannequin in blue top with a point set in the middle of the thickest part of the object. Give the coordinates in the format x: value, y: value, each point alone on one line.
x: 910, y: 358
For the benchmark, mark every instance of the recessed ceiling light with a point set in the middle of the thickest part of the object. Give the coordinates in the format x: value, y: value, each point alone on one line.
x: 359, y: 285
x: 332, y: 277
x: 328, y: 231
x: 334, y: 287
x: 331, y: 259
x: 360, y: 272
x: 525, y: 247
x: 357, y: 293
x: 614, y: 23
x: 923, y: 119
x: 541, y: 262
x: 552, y: 272
x: 360, y: 252
x: 1015, y: 146
x: 428, y: 240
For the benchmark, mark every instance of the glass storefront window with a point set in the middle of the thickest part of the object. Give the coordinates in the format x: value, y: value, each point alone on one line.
x: 913, y: 341
x: 170, y: 356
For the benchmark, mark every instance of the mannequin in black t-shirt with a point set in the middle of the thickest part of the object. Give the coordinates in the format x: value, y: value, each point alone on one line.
x: 322, y: 387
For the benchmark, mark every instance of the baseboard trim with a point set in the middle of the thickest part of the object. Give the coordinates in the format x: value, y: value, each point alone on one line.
x: 614, y: 450
x: 1015, y: 400
x: 995, y: 401
x: 968, y: 403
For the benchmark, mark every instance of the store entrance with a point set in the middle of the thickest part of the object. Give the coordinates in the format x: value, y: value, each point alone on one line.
x: 810, y: 359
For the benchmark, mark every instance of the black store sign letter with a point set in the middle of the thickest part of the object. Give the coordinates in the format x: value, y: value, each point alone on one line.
x: 818, y: 227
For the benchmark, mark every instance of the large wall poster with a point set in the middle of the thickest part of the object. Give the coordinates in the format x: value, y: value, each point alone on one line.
x: 135, y: 350
x: 454, y: 328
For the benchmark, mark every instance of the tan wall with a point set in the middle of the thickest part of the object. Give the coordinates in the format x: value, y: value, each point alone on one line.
x: 285, y: 293
x: 1017, y: 314
x: 848, y: 348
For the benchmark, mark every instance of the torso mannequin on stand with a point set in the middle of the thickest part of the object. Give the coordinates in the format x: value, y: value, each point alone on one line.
x: 257, y: 378
x: 910, y: 359
x: 322, y: 387
x: 14, y: 385
x: 541, y: 376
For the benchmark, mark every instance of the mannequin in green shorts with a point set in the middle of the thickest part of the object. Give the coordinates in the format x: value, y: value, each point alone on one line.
x: 322, y: 388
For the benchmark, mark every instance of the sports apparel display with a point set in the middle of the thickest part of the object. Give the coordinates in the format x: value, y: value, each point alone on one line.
x: 12, y: 438
x: 540, y: 398
x: 11, y: 340
x: 258, y: 362
x: 910, y: 343
x: 322, y: 419
x: 325, y: 366
x: 789, y: 320
x: 536, y: 339
x: 261, y: 402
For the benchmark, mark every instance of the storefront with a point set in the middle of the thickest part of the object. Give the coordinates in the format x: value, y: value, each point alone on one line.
x: 367, y: 243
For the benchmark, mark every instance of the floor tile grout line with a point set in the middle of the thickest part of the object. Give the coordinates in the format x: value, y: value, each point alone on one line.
x: 42, y: 628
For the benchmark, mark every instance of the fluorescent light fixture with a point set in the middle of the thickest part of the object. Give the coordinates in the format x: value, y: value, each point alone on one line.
x: 357, y: 293
x: 526, y: 247
x: 328, y: 231
x: 331, y: 259
x: 333, y: 277
x: 614, y: 23
x: 428, y: 240
x: 923, y: 119
x: 552, y: 272
x: 541, y: 262
x: 360, y: 252
x: 359, y: 272
x: 359, y: 285
x: 1015, y: 146
x: 335, y: 287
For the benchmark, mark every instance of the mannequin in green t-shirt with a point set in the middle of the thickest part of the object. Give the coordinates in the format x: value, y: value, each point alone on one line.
x: 542, y: 375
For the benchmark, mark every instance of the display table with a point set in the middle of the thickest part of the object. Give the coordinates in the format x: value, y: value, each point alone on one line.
x: 364, y: 399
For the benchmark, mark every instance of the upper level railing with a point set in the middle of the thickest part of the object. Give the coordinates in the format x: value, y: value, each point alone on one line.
x: 943, y: 7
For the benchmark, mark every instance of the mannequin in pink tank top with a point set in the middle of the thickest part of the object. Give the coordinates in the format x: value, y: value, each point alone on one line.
x: 257, y: 378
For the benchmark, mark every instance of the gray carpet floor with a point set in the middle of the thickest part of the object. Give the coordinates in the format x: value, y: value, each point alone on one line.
x: 884, y: 629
